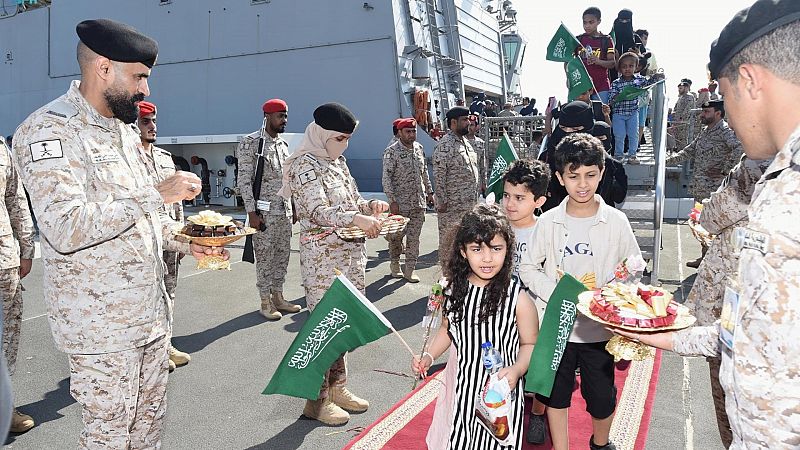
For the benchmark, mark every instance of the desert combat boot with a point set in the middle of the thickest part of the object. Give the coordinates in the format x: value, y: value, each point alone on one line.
x: 394, y: 268
x: 346, y: 400
x: 268, y: 310
x: 282, y: 305
x: 326, y: 412
x: 178, y: 357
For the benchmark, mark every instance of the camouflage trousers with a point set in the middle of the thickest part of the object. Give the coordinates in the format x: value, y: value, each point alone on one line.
x: 318, y: 261
x: 11, y: 291
x: 172, y: 260
x: 718, y: 395
x: 681, y: 134
x: 271, y: 248
x: 416, y: 217
x: 122, y: 396
x: 448, y: 224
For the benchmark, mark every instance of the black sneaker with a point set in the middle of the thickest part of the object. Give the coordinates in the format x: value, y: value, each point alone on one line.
x: 593, y: 446
x: 537, y: 430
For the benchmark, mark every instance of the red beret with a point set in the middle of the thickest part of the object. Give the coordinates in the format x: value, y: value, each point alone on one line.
x: 146, y: 108
x: 274, y: 105
x: 406, y: 123
x: 396, y: 121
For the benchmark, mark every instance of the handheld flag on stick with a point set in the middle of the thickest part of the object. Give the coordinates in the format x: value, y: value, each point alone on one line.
x: 562, y: 46
x: 505, y: 156
x: 559, y: 317
x: 578, y: 79
x: 342, y: 321
x: 630, y: 93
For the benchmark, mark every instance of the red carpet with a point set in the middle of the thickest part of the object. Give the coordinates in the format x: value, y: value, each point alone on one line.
x: 406, y: 424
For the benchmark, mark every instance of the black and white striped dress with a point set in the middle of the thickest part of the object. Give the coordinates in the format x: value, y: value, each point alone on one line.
x: 468, y: 335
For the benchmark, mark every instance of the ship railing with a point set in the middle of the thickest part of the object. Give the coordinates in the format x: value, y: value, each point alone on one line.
x: 659, y: 136
x: 520, y: 131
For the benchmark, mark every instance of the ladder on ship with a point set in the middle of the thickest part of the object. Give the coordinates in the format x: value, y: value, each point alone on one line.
x: 438, y: 63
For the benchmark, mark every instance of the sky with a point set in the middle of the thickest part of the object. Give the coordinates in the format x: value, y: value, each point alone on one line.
x: 681, y: 33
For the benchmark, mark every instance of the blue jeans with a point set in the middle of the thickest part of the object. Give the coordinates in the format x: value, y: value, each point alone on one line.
x: 626, y: 125
x: 643, y: 115
x: 602, y: 96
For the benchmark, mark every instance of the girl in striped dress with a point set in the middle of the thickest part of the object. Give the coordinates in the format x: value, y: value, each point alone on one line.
x: 483, y: 304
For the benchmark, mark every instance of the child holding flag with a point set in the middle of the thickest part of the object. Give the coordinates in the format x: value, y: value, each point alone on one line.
x: 585, y: 238
x: 484, y: 304
x: 624, y: 100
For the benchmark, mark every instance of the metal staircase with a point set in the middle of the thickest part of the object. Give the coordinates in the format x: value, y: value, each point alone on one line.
x: 438, y: 63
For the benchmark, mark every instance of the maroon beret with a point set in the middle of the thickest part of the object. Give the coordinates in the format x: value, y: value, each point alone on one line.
x: 274, y: 105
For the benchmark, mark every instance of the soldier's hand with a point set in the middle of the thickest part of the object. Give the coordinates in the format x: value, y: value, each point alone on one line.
x: 180, y: 186
x: 394, y: 208
x: 255, y: 220
x: 370, y: 225
x: 712, y: 86
x: 379, y: 206
x: 199, y: 251
x: 24, y: 267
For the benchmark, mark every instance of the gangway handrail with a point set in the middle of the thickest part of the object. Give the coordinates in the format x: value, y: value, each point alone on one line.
x: 659, y: 136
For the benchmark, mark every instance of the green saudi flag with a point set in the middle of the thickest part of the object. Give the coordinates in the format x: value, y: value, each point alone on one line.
x: 630, y: 93
x: 504, y: 157
x: 343, y: 320
x: 559, y: 317
x: 578, y: 79
x: 562, y: 46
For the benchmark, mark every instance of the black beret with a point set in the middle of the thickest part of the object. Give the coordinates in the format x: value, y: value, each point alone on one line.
x: 748, y: 25
x: 719, y: 104
x: 456, y: 112
x: 335, y: 117
x: 685, y: 80
x: 575, y: 114
x: 118, y: 41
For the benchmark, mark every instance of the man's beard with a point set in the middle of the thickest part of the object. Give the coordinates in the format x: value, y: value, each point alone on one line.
x: 280, y: 129
x: 150, y: 140
x: 123, y: 107
x: 705, y: 121
x: 463, y: 131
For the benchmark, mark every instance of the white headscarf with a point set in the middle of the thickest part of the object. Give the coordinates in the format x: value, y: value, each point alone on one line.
x: 314, y: 140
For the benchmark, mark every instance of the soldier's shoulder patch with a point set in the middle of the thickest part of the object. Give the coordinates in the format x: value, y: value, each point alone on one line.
x: 307, y: 176
x: 49, y: 149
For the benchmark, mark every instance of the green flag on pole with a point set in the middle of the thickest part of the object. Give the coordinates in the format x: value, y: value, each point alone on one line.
x: 630, y: 93
x: 505, y: 156
x: 613, y: 37
x: 562, y: 46
x: 343, y: 320
x: 578, y: 79
x: 559, y: 317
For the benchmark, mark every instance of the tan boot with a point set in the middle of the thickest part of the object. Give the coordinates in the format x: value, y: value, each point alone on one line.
x: 282, y: 305
x: 326, y: 412
x: 409, y: 275
x: 178, y: 357
x: 20, y: 423
x: 345, y: 399
x: 394, y: 267
x: 172, y: 365
x: 268, y: 310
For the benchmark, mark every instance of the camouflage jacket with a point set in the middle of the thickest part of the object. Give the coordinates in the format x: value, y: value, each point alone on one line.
x: 455, y: 172
x: 324, y: 193
x: 760, y: 376
x: 405, y: 175
x: 160, y: 166
x: 102, y: 237
x: 276, y: 150
x: 716, y: 148
x: 682, y: 111
x: 16, y: 225
x: 479, y: 146
x: 725, y: 210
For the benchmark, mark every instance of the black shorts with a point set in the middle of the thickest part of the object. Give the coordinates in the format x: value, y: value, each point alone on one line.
x: 597, y: 379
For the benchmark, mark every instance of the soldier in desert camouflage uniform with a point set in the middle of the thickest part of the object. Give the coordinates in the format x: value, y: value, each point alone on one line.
x: 102, y: 237
x: 714, y: 152
x: 759, y: 371
x: 325, y: 196
x: 479, y: 147
x: 456, y: 177
x: 682, y: 115
x: 160, y: 167
x: 16, y: 226
x: 408, y: 187
x: 271, y: 246
x: 723, y: 212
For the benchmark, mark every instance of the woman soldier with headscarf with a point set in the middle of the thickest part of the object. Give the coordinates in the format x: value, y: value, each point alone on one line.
x: 325, y: 197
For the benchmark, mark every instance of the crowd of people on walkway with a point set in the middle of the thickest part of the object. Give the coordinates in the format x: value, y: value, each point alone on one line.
x: 107, y: 200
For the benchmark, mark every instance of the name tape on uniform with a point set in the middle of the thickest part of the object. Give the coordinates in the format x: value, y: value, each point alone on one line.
x: 105, y: 158
x: 46, y: 150
x: 745, y: 238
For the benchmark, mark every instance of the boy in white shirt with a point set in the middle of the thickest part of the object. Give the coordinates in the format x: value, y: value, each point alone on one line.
x: 586, y: 238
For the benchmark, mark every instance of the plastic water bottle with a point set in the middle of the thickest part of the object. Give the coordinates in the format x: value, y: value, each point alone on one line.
x: 492, y: 359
